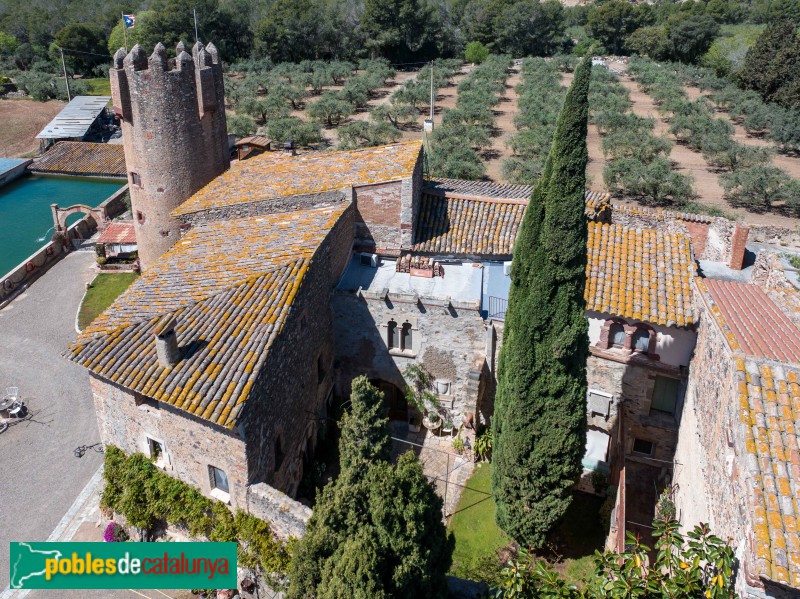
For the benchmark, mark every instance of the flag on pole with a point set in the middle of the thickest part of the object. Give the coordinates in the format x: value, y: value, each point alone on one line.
x: 129, y: 20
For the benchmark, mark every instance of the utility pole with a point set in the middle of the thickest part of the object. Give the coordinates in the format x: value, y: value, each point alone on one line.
x: 432, y: 98
x: 64, y: 66
x: 196, y: 37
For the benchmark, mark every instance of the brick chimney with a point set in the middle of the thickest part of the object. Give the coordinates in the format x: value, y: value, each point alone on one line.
x: 166, y: 341
x: 738, y: 243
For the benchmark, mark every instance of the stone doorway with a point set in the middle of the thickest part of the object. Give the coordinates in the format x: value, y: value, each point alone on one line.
x: 394, y: 400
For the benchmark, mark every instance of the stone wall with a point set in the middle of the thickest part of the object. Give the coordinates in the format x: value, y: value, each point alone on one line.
x: 174, y: 133
x: 775, y: 235
x: 270, y: 206
x: 190, y: 444
x: 768, y: 272
x: 14, y: 172
x: 287, y: 517
x: 710, y: 450
x: 288, y: 400
x: 448, y: 339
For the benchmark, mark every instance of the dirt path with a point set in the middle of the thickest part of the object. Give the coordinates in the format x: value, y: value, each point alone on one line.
x: 504, y: 128
x: 791, y: 164
x: 20, y: 122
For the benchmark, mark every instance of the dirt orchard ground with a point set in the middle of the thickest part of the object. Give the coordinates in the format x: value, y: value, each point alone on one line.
x: 21, y: 122
x: 504, y: 128
x: 791, y: 164
x: 706, y: 180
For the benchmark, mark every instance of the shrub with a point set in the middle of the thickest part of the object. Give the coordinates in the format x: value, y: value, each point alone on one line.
x: 476, y: 52
x: 241, y: 125
x: 756, y: 188
x: 294, y: 129
x: 114, y: 533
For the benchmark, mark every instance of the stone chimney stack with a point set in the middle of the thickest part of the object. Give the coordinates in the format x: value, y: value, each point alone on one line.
x: 738, y: 246
x: 166, y: 341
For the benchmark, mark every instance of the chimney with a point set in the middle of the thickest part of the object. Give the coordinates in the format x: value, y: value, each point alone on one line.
x: 288, y: 148
x: 738, y: 243
x: 166, y: 341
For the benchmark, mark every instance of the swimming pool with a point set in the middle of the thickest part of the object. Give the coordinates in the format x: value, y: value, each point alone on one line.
x: 26, y: 222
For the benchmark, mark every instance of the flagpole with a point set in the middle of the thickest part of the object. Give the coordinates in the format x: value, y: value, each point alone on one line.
x: 125, y: 32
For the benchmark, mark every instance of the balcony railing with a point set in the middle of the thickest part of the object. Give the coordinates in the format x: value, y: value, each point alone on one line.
x: 497, y: 307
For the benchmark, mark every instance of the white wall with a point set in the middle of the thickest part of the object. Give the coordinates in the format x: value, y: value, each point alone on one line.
x: 673, y: 345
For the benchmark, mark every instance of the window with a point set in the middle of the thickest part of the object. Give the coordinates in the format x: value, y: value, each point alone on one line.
x: 405, y: 337
x: 665, y: 395
x: 616, y: 335
x: 392, y: 337
x: 643, y: 447
x: 156, y: 450
x: 278, y: 454
x: 219, y: 480
x: 641, y: 340
x: 145, y: 402
x: 140, y: 217
x: 136, y: 179
x: 320, y: 370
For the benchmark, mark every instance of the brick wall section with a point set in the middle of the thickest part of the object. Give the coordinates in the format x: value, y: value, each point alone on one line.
x: 699, y: 233
x: 738, y: 248
x: 273, y: 206
x: 175, y: 137
x: 449, y: 341
x: 378, y: 214
x: 190, y: 444
x: 287, y: 400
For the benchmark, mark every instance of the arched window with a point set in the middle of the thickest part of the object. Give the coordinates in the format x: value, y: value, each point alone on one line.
x: 616, y: 335
x: 392, y: 337
x: 405, y: 337
x: 641, y: 340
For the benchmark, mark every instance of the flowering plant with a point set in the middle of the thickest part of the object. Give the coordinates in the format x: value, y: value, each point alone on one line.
x: 114, y: 533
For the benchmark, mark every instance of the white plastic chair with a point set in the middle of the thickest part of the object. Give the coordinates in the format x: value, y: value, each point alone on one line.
x: 12, y: 393
x: 15, y: 409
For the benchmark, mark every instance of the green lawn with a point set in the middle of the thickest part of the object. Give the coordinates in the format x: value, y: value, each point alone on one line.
x: 478, y: 538
x: 104, y: 290
x: 570, y: 548
x: 99, y: 86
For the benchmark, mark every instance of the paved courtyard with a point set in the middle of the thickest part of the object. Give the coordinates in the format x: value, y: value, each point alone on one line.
x: 448, y: 470
x: 40, y: 477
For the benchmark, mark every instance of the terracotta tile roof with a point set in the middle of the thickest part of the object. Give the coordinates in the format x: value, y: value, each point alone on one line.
x: 642, y: 274
x: 82, y: 158
x: 477, y: 189
x: 118, y: 232
x: 769, y: 406
x: 752, y: 322
x: 275, y: 175
x: 230, y: 284
x: 477, y: 225
x: 661, y: 214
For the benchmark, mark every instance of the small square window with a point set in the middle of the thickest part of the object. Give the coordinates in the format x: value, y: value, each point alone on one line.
x: 643, y: 447
x: 219, y: 480
x: 156, y: 449
x: 140, y: 217
x: 665, y: 395
x: 136, y: 179
x: 617, y: 335
x: 641, y: 340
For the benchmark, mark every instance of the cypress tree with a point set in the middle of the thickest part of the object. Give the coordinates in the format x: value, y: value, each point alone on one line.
x: 376, y: 531
x: 540, y: 409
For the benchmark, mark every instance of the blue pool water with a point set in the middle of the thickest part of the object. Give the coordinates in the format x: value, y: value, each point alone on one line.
x: 26, y: 222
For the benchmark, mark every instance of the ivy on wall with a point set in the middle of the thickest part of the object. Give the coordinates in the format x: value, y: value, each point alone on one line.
x: 146, y: 496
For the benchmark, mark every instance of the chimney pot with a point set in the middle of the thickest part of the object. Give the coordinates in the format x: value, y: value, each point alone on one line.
x: 166, y: 340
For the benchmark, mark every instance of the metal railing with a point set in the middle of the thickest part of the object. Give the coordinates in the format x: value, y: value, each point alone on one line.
x: 497, y: 307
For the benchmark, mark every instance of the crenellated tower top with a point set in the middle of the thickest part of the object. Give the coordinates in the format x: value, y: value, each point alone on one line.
x: 174, y: 131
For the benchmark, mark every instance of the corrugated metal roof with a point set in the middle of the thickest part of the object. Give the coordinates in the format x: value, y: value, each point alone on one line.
x: 75, y: 119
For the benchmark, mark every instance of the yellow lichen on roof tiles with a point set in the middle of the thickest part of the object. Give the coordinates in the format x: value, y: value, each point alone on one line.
x: 642, y: 274
x: 275, y: 175
x: 772, y: 437
x: 82, y: 158
x: 229, y: 286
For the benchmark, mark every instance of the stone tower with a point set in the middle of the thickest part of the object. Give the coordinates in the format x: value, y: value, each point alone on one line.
x: 174, y: 132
